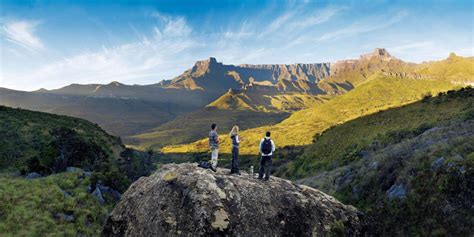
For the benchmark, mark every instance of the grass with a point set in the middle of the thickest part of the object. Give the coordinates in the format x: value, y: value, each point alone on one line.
x: 358, y: 161
x: 339, y: 144
x: 190, y: 127
x: 25, y: 133
x: 455, y: 68
x: 378, y: 93
x: 248, y: 109
x: 38, y: 207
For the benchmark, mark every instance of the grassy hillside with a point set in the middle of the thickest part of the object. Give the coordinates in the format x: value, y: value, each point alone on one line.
x: 246, y: 108
x: 377, y: 93
x: 266, y: 101
x: 190, y: 127
x: 121, y: 113
x: 60, y: 202
x: 455, y: 68
x: 57, y: 205
x: 25, y: 133
x: 411, y: 168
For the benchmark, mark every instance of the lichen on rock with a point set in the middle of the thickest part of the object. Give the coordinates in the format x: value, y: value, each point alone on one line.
x: 184, y: 200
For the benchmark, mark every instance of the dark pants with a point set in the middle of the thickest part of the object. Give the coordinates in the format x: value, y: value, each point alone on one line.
x: 235, y: 161
x: 265, y: 167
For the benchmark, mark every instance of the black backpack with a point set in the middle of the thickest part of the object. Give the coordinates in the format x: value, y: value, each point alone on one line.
x: 267, y: 146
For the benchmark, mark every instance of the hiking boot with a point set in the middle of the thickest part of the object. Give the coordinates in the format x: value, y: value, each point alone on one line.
x: 266, y: 178
x: 214, y: 169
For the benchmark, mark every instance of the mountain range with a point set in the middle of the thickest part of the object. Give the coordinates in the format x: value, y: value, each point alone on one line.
x: 149, y: 116
x: 359, y: 87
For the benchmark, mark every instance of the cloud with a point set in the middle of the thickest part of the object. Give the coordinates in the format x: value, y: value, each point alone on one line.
x: 21, y: 33
x: 278, y: 22
x: 245, y: 30
x: 173, y: 26
x: 319, y: 17
x: 364, y: 27
x: 152, y: 58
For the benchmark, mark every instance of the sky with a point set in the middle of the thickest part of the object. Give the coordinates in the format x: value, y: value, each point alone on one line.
x: 51, y: 44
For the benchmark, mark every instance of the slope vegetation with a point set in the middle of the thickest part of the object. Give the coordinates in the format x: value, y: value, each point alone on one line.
x: 377, y: 93
x: 375, y: 82
x: 74, y: 171
x: 192, y: 126
x: 411, y: 167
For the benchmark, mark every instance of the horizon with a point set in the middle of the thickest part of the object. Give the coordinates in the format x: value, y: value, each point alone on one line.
x: 218, y: 61
x: 52, y: 45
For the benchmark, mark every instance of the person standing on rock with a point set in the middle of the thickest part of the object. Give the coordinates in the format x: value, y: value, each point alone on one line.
x: 267, y: 147
x: 234, y: 136
x: 214, y: 146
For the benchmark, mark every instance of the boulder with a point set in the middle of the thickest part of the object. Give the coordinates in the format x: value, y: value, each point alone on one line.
x: 185, y: 200
x: 98, y: 195
x: 33, y: 175
x: 397, y: 191
x: 435, y: 165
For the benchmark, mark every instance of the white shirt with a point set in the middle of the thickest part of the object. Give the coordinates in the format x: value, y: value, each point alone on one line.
x: 273, y: 147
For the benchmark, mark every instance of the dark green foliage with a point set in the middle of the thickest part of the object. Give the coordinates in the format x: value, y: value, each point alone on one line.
x: 66, y: 149
x: 426, y: 146
x: 47, y: 144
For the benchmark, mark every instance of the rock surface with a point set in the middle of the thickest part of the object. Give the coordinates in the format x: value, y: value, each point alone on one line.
x: 184, y: 200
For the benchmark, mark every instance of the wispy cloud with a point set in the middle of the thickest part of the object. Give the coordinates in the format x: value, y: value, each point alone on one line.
x: 22, y: 33
x: 364, y: 27
x: 278, y: 22
x: 152, y: 57
x: 173, y: 26
x: 318, y: 17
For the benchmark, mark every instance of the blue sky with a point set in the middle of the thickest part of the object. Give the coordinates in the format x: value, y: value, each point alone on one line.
x: 51, y: 44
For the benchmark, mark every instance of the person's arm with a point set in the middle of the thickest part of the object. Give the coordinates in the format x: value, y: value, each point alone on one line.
x: 237, y: 139
x: 260, y: 146
x: 273, y: 146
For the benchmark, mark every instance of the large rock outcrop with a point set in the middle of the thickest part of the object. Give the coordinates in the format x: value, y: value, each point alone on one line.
x: 184, y: 200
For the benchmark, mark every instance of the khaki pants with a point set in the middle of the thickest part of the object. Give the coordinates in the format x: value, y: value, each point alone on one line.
x: 214, y: 155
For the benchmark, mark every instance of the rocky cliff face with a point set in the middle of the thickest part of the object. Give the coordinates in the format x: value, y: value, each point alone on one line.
x: 210, y: 74
x: 184, y: 200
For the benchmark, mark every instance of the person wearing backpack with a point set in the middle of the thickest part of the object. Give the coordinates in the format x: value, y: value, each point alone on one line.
x: 214, y: 146
x: 267, y: 147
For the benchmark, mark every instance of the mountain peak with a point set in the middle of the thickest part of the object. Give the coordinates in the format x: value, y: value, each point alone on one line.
x: 202, y: 66
x: 379, y: 53
x: 452, y: 55
x: 212, y: 60
x: 115, y: 83
x: 41, y: 90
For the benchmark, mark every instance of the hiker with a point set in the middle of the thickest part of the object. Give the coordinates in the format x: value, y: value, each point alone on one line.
x: 214, y: 146
x: 234, y: 136
x: 267, y: 147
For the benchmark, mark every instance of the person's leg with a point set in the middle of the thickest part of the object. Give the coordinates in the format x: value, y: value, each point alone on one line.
x: 268, y: 168
x: 232, y: 168
x: 262, y: 168
x: 237, y: 165
x: 214, y: 155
